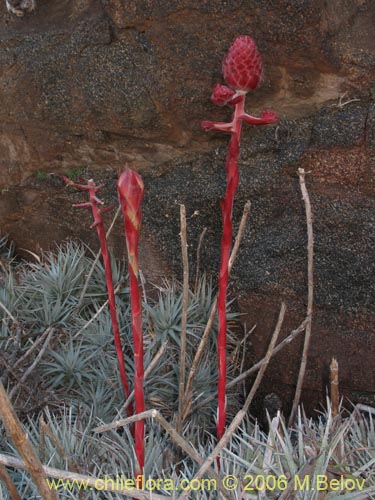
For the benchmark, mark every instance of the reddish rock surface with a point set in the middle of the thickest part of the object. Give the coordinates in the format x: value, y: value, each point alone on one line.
x: 92, y: 84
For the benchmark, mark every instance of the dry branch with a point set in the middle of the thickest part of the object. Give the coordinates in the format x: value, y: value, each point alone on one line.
x: 32, y: 348
x: 310, y: 292
x: 257, y: 365
x: 335, y: 393
x: 185, y: 303
x: 24, y: 447
x: 93, y: 318
x: 34, y: 364
x: 175, y: 436
x: 211, y: 318
x: 148, y: 370
x: 236, y: 422
x: 5, y: 477
x: 199, y: 258
x: 91, y: 482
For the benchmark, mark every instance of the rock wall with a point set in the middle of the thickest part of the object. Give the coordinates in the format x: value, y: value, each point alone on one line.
x: 88, y: 85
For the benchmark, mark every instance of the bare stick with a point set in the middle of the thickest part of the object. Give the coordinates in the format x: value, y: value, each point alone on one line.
x: 310, y: 293
x: 35, y: 344
x: 278, y: 348
x: 199, y: 258
x: 93, y: 318
x: 211, y: 318
x: 185, y: 303
x: 335, y: 394
x: 241, y: 229
x: 148, y: 370
x: 46, y: 431
x: 10, y: 364
x: 8, y: 313
x: 255, y: 367
x: 150, y: 321
x: 176, y: 437
x: 34, y: 364
x: 23, y: 445
x: 246, y: 335
x: 5, y: 477
x: 236, y: 422
x: 93, y: 482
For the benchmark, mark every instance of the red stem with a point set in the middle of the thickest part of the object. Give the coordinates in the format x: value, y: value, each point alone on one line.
x: 131, y: 194
x: 226, y: 244
x: 98, y: 223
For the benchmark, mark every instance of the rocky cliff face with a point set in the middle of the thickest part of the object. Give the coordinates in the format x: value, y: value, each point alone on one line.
x: 93, y: 84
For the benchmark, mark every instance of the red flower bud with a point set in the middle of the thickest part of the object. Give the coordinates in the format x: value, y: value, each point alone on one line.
x: 221, y: 95
x: 130, y: 189
x: 242, y: 66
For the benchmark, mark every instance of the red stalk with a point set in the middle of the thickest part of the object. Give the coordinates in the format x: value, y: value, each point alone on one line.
x: 226, y: 245
x: 242, y: 69
x: 130, y: 189
x: 98, y: 223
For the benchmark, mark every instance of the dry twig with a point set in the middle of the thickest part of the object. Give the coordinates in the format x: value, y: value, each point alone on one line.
x: 185, y: 303
x: 91, y: 482
x: 199, y: 259
x: 148, y: 370
x: 236, y: 422
x: 23, y: 445
x: 5, y: 477
x: 211, y: 318
x: 45, y: 430
x: 35, y: 344
x: 335, y: 394
x: 175, y: 436
x: 257, y: 365
x: 34, y: 364
x: 8, y: 313
x: 310, y: 293
x: 93, y: 318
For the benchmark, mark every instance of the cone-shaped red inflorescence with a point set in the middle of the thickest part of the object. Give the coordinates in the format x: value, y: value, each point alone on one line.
x: 98, y: 224
x: 242, y: 70
x: 242, y: 66
x: 130, y: 189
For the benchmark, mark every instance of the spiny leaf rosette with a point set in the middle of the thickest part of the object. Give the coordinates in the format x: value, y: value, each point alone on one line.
x: 131, y: 190
x: 242, y: 71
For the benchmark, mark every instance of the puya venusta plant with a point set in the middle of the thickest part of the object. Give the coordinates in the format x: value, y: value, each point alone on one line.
x: 242, y: 71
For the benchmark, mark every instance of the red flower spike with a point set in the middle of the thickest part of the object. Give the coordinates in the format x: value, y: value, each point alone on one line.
x: 242, y: 70
x: 130, y: 189
x: 221, y: 95
x: 242, y: 66
x: 98, y: 224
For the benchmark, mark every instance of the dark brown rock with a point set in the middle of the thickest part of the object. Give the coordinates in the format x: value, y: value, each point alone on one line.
x: 92, y: 84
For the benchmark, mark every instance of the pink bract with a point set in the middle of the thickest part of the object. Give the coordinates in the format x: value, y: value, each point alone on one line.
x: 242, y: 66
x: 221, y: 95
x: 130, y: 189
